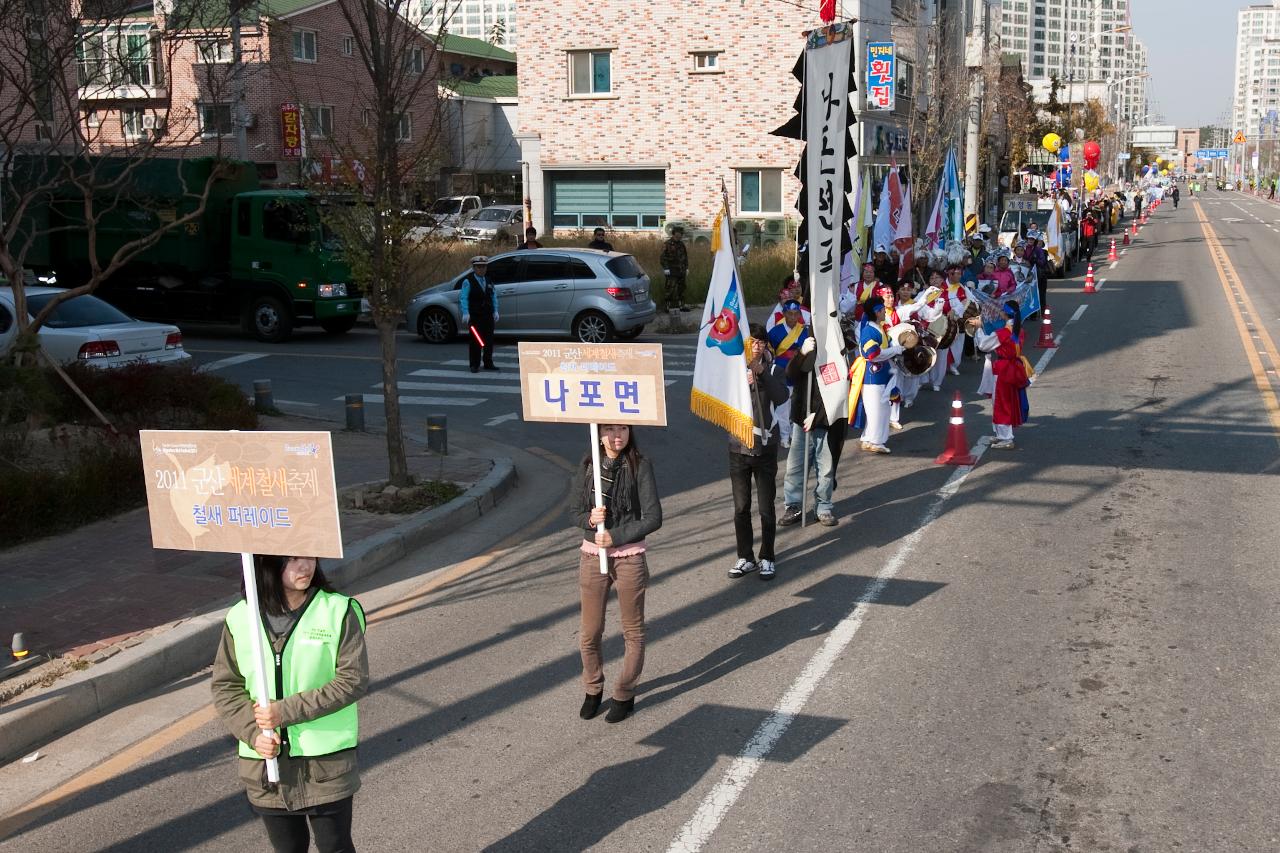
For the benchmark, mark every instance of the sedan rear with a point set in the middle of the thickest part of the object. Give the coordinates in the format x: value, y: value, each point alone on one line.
x: 87, y: 330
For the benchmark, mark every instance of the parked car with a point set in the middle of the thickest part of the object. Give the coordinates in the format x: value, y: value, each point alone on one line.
x: 87, y: 330
x: 497, y: 222
x: 589, y: 295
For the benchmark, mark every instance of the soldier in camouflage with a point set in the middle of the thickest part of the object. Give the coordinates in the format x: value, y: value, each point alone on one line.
x: 675, y: 266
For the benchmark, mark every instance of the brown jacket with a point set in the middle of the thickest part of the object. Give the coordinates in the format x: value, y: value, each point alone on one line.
x: 304, y: 782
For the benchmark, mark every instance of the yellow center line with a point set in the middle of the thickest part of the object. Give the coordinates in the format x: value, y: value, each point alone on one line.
x: 1256, y: 341
x: 122, y: 761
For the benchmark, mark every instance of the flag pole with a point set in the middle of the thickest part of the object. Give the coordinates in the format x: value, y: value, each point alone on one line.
x: 595, y: 476
x: 804, y: 477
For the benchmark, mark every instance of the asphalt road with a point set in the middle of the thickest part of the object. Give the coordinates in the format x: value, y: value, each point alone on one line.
x: 1069, y: 647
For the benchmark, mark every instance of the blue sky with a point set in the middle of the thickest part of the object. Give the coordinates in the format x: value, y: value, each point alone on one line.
x: 1191, y: 56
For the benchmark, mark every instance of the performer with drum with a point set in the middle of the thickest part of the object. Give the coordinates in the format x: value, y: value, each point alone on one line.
x: 956, y: 302
x: 870, y: 378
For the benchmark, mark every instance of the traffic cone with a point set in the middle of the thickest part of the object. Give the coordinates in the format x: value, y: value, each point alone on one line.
x: 1112, y: 256
x: 1046, y: 332
x: 957, y: 451
x: 1088, y: 280
x: 1126, y: 236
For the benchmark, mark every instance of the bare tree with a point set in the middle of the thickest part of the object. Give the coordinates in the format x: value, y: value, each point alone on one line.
x: 391, y: 142
x: 66, y: 167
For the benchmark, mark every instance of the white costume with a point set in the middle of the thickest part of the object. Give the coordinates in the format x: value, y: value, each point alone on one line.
x: 986, y: 344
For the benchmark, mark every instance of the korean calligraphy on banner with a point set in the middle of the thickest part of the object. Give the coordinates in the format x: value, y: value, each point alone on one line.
x: 881, y: 68
x: 593, y: 383
x: 249, y: 492
x: 291, y: 130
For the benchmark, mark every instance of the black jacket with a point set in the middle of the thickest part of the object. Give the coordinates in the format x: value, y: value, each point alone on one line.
x: 769, y: 390
x: 633, y: 505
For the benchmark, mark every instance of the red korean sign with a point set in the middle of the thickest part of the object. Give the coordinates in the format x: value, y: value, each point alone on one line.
x: 291, y: 130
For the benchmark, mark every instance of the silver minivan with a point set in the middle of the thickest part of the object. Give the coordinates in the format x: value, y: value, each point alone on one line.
x: 589, y: 295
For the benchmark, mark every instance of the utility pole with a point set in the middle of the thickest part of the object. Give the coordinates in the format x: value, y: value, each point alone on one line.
x: 974, y: 52
x: 238, y: 118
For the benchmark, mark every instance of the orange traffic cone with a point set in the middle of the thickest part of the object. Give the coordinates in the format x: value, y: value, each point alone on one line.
x: 1112, y: 256
x: 957, y: 451
x: 1126, y: 236
x: 1046, y: 332
x: 1088, y: 280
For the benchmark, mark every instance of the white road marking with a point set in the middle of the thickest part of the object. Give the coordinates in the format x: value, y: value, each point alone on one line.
x: 1043, y: 363
x: 296, y: 403
x: 1233, y: 219
x: 457, y: 386
x: 488, y: 375
x: 425, y: 401
x: 1114, y: 264
x: 231, y: 361
x: 1101, y: 282
x: 510, y: 416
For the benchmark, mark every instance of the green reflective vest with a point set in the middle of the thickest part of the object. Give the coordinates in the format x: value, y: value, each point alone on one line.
x: 309, y: 661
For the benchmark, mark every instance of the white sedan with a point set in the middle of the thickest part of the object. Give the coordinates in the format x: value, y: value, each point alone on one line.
x: 86, y: 330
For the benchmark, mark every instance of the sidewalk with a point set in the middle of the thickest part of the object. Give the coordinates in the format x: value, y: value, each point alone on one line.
x: 102, y: 588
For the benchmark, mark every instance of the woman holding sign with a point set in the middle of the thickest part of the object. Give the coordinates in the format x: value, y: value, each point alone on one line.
x: 316, y: 670
x: 630, y: 511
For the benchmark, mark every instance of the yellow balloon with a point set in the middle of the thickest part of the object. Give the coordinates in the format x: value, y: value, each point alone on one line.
x: 1164, y: 171
x: 1091, y: 182
x: 1051, y: 142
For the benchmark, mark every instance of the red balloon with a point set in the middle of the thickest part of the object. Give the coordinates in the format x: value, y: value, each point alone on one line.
x: 1092, y: 151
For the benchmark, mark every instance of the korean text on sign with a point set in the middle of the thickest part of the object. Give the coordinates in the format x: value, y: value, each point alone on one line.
x: 593, y: 383
x: 881, y: 68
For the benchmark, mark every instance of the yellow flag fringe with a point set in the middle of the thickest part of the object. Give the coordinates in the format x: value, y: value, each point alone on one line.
x: 737, y: 424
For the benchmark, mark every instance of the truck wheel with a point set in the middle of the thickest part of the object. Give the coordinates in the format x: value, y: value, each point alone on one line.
x: 338, y: 325
x: 592, y: 327
x: 436, y: 326
x: 270, y: 320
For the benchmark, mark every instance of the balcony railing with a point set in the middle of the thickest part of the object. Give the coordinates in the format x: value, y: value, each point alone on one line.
x: 102, y: 79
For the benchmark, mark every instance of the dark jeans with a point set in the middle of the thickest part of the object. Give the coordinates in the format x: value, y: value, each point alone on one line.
x: 484, y: 326
x: 765, y: 470
x: 330, y: 822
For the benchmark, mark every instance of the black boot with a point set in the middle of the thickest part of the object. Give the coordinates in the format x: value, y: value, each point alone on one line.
x: 590, y: 705
x: 619, y: 710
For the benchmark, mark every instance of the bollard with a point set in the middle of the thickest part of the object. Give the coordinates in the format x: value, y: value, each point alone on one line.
x: 263, y: 400
x: 438, y: 434
x: 355, y: 412
x: 19, y: 646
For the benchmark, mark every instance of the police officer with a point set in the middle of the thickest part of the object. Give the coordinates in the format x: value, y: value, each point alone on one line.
x: 479, y: 306
x: 675, y: 266
x: 317, y: 667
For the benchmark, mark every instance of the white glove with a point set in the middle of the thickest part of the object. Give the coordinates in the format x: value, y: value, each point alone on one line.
x: 666, y: 272
x: 495, y: 316
x: 466, y: 319
x: 890, y: 352
x: 808, y: 422
x: 808, y: 346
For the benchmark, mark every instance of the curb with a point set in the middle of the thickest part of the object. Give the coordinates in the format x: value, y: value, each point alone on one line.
x: 187, y: 647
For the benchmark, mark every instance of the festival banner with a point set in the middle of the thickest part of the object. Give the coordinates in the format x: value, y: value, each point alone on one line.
x: 904, y: 236
x: 826, y: 162
x: 859, y: 234
x: 953, y: 226
x: 881, y: 70
x: 720, y: 390
x: 991, y: 308
x: 255, y: 492
x: 1053, y: 235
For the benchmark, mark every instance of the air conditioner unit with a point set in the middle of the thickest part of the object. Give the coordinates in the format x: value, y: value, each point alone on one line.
x: 775, y: 227
x: 152, y: 122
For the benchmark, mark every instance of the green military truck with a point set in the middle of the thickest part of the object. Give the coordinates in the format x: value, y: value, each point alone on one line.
x: 260, y: 257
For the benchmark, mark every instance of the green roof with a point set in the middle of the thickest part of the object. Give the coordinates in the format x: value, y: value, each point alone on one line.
x: 471, y: 47
x: 503, y: 86
x: 280, y: 8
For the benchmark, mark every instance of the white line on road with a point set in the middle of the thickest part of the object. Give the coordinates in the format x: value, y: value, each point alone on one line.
x: 234, y: 360
x: 1114, y: 264
x: 296, y: 403
x: 1043, y: 363
x: 487, y: 376
x: 698, y: 831
x: 509, y: 416
x: 1101, y: 282
x: 457, y: 386
x: 425, y: 401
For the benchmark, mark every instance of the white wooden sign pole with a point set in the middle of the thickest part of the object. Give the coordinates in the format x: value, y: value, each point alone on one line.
x: 257, y: 650
x: 595, y: 469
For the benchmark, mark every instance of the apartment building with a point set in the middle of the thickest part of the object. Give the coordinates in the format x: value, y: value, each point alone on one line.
x: 492, y: 21
x: 1256, y: 95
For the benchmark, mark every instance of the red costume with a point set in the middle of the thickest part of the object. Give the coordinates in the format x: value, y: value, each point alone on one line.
x: 1009, y: 405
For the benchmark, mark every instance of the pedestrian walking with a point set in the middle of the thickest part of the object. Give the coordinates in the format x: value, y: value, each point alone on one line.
x: 530, y: 239
x: 1137, y: 204
x: 675, y: 266
x: 630, y: 510
x: 818, y: 450
x: 598, y: 242
x: 479, y: 305
x: 317, y: 671
x: 758, y: 462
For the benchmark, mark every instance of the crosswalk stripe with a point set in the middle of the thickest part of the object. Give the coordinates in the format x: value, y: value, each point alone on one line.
x: 425, y: 401
x: 455, y: 386
x: 488, y: 376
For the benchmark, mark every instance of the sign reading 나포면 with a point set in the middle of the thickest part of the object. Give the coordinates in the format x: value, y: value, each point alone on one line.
x: 257, y: 492
x: 593, y: 383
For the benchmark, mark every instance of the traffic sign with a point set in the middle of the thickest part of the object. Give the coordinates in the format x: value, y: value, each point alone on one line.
x: 1212, y: 154
x: 1239, y: 139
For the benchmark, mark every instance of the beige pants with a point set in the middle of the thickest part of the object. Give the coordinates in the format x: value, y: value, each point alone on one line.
x: 630, y: 575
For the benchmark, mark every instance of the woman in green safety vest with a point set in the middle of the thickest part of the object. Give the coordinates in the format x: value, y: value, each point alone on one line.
x: 317, y: 668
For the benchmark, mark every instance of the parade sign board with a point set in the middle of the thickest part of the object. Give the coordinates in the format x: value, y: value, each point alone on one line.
x: 881, y: 70
x: 257, y: 492
x: 593, y: 383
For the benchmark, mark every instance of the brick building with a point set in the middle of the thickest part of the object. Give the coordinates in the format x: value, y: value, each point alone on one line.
x: 295, y: 52
x: 632, y: 114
